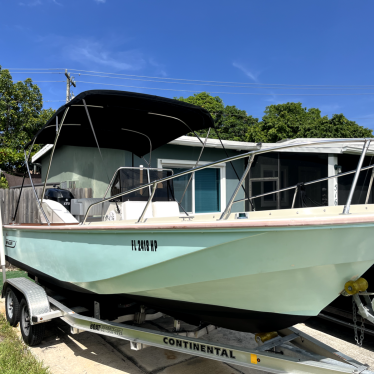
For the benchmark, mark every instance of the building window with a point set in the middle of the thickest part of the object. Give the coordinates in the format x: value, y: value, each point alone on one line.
x: 205, y: 192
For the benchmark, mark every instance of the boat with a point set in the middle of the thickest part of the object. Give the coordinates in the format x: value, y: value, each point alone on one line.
x: 248, y: 271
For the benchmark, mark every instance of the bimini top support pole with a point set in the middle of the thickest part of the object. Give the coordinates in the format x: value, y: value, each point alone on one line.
x: 196, y: 165
x: 370, y: 185
x: 229, y: 205
x: 353, y: 187
x: 141, y: 218
x: 33, y: 187
x: 53, y: 151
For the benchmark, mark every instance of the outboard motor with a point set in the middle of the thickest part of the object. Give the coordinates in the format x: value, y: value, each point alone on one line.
x: 61, y: 196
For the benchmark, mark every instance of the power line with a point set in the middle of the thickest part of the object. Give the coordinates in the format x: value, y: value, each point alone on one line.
x: 45, y: 81
x: 259, y: 85
x: 228, y: 93
x: 195, y: 80
x: 33, y: 69
x: 215, y: 85
x: 34, y: 72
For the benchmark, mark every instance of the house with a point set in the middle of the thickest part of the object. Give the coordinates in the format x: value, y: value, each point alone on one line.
x: 210, y: 189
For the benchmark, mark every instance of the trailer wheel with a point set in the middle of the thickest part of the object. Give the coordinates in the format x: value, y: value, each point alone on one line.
x: 12, y: 307
x: 31, y: 334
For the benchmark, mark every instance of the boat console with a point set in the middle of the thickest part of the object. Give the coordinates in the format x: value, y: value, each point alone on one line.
x: 132, y: 205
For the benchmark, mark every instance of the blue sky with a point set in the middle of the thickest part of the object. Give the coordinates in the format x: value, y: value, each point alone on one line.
x: 267, y: 42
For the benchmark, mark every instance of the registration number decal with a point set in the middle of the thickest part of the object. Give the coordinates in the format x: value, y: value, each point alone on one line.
x: 144, y: 245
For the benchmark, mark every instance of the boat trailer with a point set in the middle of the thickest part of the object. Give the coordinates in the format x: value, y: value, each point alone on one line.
x: 274, y: 353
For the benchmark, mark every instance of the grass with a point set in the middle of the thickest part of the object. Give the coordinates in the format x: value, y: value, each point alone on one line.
x: 12, y: 274
x: 15, y: 357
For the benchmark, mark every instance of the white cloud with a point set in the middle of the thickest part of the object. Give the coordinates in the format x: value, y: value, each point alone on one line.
x: 159, y: 68
x: 31, y: 3
x: 91, y: 53
x: 250, y: 74
x: 100, y: 1
x: 111, y: 54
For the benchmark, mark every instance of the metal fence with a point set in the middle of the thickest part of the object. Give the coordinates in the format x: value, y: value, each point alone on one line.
x: 28, y: 211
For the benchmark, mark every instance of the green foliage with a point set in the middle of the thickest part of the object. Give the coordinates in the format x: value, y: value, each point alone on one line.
x: 21, y: 116
x: 14, y: 274
x: 231, y: 122
x: 281, y: 121
x: 3, y: 182
x: 15, y: 357
x: 291, y: 121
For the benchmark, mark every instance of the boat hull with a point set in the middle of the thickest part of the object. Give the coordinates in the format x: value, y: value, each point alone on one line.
x: 249, y: 279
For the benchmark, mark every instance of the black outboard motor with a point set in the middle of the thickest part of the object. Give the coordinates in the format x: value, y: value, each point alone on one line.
x: 61, y: 196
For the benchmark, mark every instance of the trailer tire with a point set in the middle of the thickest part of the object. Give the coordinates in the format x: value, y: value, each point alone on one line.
x: 12, y: 307
x: 31, y: 334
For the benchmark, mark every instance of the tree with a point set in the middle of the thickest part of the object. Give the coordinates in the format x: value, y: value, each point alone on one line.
x: 291, y: 121
x: 336, y: 127
x: 231, y: 122
x: 21, y: 116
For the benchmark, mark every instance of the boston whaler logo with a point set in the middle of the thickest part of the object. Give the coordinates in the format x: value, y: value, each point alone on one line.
x: 10, y: 243
x: 144, y: 245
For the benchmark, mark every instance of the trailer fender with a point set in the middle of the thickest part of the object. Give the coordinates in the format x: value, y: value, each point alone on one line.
x: 35, y: 296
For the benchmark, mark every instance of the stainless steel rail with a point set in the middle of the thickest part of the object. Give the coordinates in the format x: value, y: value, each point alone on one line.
x: 308, y: 183
x: 33, y: 187
x: 233, y: 158
x: 370, y: 185
x: 140, y: 220
x: 197, y: 163
x: 353, y: 186
x: 227, y: 210
x: 130, y: 167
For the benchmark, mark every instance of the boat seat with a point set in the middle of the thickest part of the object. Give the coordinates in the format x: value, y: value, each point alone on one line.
x: 165, y: 209
x: 79, y: 207
x: 134, y: 209
x: 56, y: 213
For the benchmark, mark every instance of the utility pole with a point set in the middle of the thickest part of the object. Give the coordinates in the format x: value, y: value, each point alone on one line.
x: 69, y: 82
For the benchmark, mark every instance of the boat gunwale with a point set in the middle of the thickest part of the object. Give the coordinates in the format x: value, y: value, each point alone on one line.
x: 237, y: 224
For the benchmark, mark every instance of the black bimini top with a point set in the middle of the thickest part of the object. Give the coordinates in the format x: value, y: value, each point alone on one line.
x: 124, y: 120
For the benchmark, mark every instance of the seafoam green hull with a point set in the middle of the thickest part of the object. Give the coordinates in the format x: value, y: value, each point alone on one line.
x: 293, y: 271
